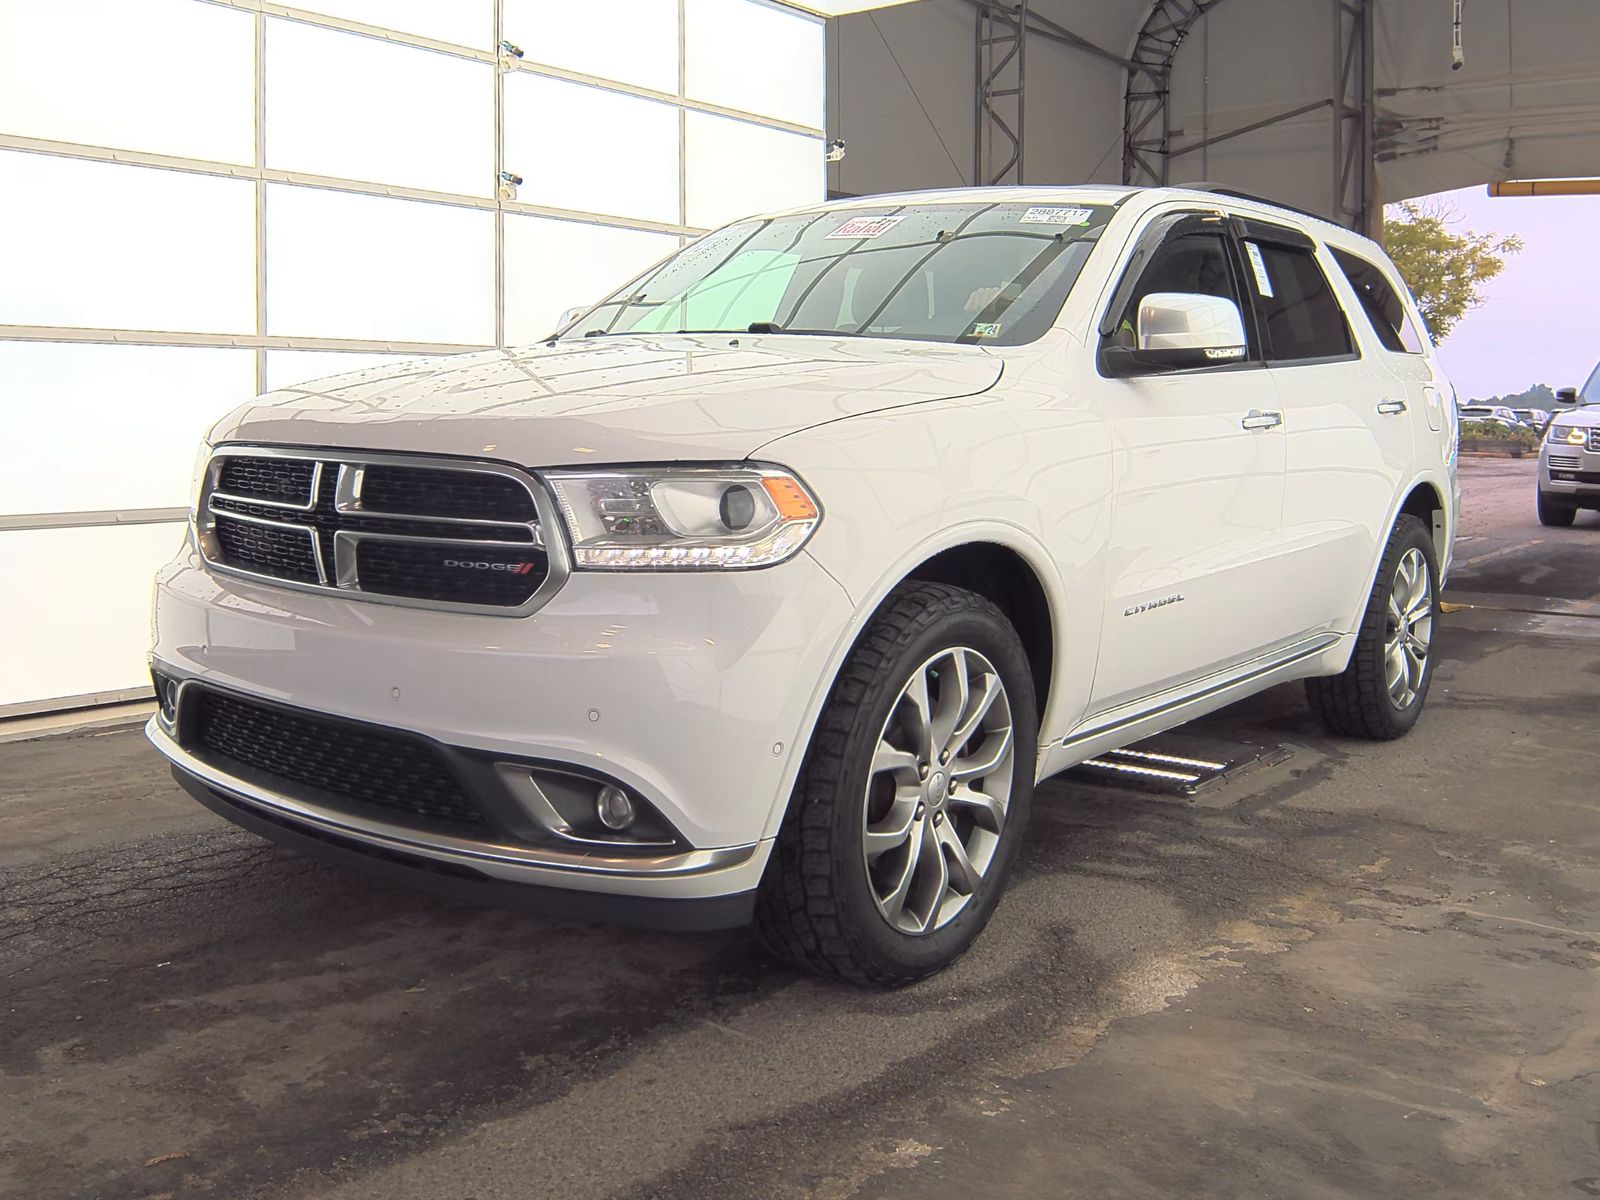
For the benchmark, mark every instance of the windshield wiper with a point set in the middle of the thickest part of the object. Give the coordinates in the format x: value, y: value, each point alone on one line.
x: 764, y: 327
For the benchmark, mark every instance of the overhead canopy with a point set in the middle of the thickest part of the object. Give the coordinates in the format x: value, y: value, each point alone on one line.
x: 1239, y: 92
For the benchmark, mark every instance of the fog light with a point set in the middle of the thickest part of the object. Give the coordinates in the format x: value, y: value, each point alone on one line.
x: 614, y: 808
x: 166, y: 698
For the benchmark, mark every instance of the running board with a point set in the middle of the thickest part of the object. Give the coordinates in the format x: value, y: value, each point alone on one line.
x: 1176, y: 765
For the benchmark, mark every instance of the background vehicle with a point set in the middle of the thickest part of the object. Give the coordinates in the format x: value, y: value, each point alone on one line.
x: 773, y: 584
x: 1534, y: 418
x: 1569, y: 457
x: 1498, y: 413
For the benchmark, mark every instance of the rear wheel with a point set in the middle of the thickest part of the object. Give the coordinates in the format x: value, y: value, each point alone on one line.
x: 915, y: 791
x: 1381, y: 693
x: 1552, y: 512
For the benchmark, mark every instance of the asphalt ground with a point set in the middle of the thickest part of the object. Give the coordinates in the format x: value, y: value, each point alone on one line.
x: 1366, y: 971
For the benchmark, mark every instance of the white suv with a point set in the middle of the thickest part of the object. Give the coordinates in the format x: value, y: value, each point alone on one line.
x: 772, y: 586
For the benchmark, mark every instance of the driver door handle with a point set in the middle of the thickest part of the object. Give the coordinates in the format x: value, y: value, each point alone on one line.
x: 1256, y: 419
x: 1389, y: 407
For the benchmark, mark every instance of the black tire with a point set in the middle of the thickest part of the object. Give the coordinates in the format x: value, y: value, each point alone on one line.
x: 1357, y: 703
x: 815, y: 907
x: 1551, y: 512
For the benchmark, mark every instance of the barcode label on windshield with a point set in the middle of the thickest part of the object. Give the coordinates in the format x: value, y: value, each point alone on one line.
x: 1040, y: 215
x: 865, y: 227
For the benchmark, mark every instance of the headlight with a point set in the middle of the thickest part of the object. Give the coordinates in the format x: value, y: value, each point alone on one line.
x: 684, y: 518
x: 1572, y: 435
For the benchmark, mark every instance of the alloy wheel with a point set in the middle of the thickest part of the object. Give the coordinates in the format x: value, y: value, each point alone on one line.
x: 938, y: 790
x: 1409, y: 631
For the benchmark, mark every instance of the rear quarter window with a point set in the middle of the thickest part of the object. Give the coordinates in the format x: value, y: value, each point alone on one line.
x: 1384, y: 309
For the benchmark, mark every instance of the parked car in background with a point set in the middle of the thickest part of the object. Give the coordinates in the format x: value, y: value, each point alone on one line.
x: 1569, y: 458
x: 1534, y: 418
x: 770, y: 587
x: 1491, y: 412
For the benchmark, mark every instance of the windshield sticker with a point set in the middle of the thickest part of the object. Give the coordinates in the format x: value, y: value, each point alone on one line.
x: 1039, y: 215
x: 865, y: 227
x: 986, y: 329
x: 1259, y: 266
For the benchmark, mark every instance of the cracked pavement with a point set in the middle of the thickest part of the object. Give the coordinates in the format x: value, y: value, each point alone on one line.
x: 1366, y: 971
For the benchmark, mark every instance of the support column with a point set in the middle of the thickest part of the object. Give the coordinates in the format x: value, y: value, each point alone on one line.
x: 1001, y: 56
x: 1354, y: 167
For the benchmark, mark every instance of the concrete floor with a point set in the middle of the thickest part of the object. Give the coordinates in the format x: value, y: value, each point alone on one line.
x: 1369, y: 971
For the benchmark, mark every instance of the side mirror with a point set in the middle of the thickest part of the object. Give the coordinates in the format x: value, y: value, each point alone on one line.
x: 1567, y: 395
x: 1179, y: 331
x: 571, y: 315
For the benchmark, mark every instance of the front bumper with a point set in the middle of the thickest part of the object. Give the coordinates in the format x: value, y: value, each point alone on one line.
x: 445, y: 875
x: 1570, y: 472
x: 696, y: 691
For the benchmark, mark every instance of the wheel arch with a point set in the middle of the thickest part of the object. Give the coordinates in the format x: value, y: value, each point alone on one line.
x: 1426, y: 502
x: 998, y: 561
x: 1004, y: 577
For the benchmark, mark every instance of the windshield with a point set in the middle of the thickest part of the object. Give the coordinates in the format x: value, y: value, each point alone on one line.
x: 1590, y: 392
x: 991, y: 273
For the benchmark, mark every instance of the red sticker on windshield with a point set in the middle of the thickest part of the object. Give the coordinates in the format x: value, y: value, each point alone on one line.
x: 865, y: 227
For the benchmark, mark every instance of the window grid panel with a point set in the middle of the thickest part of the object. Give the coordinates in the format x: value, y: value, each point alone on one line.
x: 78, y: 153
x: 530, y: 64
x: 377, y: 268
x: 582, y: 38
x: 348, y: 105
x: 103, y: 245
x: 787, y: 84
x: 139, y: 95
x: 126, y: 419
x: 627, y: 234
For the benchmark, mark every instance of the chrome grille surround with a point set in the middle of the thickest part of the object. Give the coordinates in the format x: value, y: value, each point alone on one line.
x: 336, y: 558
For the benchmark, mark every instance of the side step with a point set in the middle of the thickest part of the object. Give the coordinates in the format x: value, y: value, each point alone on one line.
x: 1175, y: 764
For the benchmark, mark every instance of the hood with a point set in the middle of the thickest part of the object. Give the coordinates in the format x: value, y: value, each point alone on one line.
x: 1585, y: 414
x: 613, y: 400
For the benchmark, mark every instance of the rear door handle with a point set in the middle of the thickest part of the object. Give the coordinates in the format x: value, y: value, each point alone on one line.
x: 1256, y: 419
x: 1389, y: 407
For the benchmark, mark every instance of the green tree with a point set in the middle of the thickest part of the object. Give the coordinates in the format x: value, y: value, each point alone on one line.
x: 1445, y: 269
x: 1540, y: 395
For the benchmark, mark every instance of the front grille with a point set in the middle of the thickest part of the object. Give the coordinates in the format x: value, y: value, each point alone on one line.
x: 436, y: 533
x: 445, y: 494
x: 452, y: 574
x: 277, y: 480
x: 1565, y: 462
x: 1594, y: 439
x: 356, y: 768
x: 281, y: 551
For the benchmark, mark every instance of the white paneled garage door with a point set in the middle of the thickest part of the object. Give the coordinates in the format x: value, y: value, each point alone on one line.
x: 200, y: 200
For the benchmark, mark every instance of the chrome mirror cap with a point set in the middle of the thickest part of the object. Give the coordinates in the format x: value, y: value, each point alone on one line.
x: 1187, y: 321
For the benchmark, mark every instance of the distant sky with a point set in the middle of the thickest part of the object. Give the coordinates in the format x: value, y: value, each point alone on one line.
x: 1540, y: 320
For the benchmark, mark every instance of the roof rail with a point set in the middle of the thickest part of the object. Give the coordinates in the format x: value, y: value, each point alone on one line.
x: 1222, y: 189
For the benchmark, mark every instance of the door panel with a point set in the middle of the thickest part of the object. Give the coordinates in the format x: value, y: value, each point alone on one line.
x: 1195, y: 531
x: 1345, y: 460
x: 1197, y: 505
x: 1350, y: 427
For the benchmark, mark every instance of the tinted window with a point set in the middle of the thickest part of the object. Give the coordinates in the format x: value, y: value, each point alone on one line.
x: 1381, y: 303
x: 1195, y: 263
x: 1301, y: 317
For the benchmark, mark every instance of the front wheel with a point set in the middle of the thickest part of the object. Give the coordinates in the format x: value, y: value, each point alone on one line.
x: 1381, y: 693
x: 911, y: 804
x: 1551, y: 512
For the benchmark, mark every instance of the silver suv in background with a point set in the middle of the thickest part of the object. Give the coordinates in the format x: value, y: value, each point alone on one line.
x: 1569, y: 458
